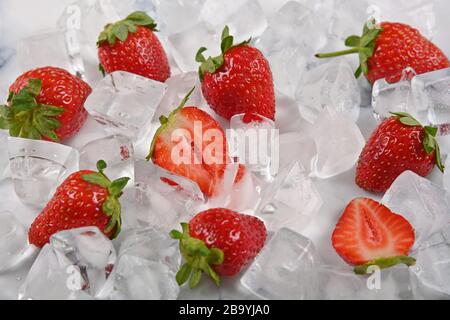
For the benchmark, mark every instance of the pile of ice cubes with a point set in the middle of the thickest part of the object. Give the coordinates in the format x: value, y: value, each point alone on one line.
x: 315, y: 137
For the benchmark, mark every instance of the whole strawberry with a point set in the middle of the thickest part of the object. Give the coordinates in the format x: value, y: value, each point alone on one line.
x: 45, y: 103
x: 399, y: 144
x: 218, y: 242
x: 369, y: 234
x: 131, y: 45
x: 239, y: 81
x: 176, y: 149
x: 85, y: 199
x: 386, y: 50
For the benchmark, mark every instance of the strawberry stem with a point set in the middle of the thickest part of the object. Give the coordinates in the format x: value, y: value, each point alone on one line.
x: 199, y: 258
x: 337, y: 54
x: 385, y: 263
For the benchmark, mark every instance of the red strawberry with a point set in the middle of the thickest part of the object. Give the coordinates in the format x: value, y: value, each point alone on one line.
x: 207, y: 173
x: 85, y: 199
x: 131, y: 45
x: 386, y: 50
x: 238, y: 81
x: 370, y: 234
x: 399, y: 144
x: 45, y: 103
x: 218, y: 242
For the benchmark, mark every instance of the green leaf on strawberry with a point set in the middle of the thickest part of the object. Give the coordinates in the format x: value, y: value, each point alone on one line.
x: 24, y: 117
x: 122, y: 28
x: 198, y: 257
x: 430, y: 143
x: 211, y: 64
x: 111, y: 207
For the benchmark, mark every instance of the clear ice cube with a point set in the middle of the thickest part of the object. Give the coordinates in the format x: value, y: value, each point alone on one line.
x: 77, y: 264
x: 117, y: 151
x: 125, y: 102
x: 185, y: 45
x: 14, y: 248
x: 432, y: 92
x: 431, y: 275
x: 289, y: 55
x: 148, y: 262
x: 49, y: 49
x: 348, y: 18
x: 291, y: 200
x: 395, y: 97
x: 169, y: 11
x: 423, y: 204
x: 283, y: 268
x: 4, y: 158
x: 339, y: 151
x: 38, y: 167
x: 332, y: 87
x: 254, y: 142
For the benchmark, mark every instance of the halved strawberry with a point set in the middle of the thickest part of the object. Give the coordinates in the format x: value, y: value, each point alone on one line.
x: 181, y: 128
x: 369, y: 234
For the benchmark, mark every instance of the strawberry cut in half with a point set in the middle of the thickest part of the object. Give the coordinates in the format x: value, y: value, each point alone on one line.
x: 192, y: 144
x: 369, y: 234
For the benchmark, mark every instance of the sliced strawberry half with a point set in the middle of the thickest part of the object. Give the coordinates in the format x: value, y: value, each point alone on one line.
x: 207, y: 159
x: 369, y: 234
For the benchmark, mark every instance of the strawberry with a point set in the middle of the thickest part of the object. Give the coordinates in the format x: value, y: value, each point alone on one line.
x: 207, y: 173
x: 218, y: 242
x: 86, y: 198
x: 131, y: 45
x: 399, y: 144
x: 45, y: 103
x: 238, y: 81
x: 369, y: 234
x: 389, y: 48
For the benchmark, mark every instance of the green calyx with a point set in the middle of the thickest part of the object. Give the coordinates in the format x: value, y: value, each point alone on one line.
x: 384, y: 263
x: 198, y: 258
x: 363, y: 45
x: 165, y: 121
x: 430, y: 143
x: 24, y: 117
x: 111, y: 207
x: 211, y: 64
x: 122, y: 28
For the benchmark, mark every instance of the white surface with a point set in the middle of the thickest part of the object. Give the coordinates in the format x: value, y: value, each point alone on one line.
x: 336, y: 192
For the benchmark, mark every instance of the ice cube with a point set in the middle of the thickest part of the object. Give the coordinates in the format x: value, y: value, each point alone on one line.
x: 339, y: 151
x: 291, y: 200
x: 169, y: 11
x: 185, y: 45
x: 423, y: 204
x: 283, y: 268
x: 125, y: 102
x: 395, y: 97
x: 159, y: 199
x: 49, y: 49
x: 14, y: 248
x: 332, y: 87
x: 116, y: 150
x: 148, y: 262
x: 38, y: 167
x: 431, y: 275
x: 254, y: 142
x: 289, y: 55
x: 75, y: 265
x: 348, y: 18
x: 4, y: 159
x: 432, y: 92
x: 343, y: 284
x: 245, y: 18
x: 446, y: 181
